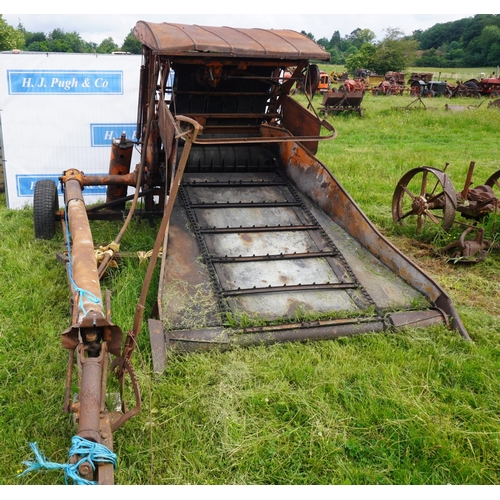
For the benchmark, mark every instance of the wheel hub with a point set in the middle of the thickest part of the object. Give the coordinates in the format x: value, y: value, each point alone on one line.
x: 419, y: 205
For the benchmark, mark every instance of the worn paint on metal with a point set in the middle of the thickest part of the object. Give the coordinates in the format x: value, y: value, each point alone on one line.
x: 209, y: 41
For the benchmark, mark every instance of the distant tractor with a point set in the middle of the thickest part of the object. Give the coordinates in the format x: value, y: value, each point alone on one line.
x: 420, y: 88
x: 488, y: 87
x: 324, y: 82
x: 356, y: 85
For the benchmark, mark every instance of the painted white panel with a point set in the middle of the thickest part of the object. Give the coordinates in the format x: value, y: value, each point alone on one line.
x: 61, y: 111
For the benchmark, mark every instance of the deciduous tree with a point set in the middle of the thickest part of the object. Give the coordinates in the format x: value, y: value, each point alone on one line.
x: 10, y: 38
x: 107, y: 46
x: 395, y: 52
x: 131, y: 44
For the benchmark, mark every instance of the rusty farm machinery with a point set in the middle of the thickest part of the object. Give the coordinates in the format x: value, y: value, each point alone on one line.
x: 249, y: 218
x: 347, y: 97
x: 425, y: 196
x: 338, y: 101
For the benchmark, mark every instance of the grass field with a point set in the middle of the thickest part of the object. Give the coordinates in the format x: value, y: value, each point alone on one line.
x: 417, y: 407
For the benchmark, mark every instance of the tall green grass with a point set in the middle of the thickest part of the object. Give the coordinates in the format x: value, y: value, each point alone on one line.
x: 417, y: 407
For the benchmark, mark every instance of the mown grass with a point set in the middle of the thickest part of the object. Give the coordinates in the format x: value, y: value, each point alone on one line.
x: 417, y: 407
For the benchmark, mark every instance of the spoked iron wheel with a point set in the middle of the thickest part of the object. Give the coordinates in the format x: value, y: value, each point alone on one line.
x: 426, y: 196
x: 494, y: 182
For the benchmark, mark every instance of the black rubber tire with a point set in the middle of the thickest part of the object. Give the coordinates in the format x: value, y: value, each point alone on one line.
x: 45, y: 206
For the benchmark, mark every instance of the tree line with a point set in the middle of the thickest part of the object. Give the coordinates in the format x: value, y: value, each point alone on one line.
x: 468, y: 42
x: 59, y: 40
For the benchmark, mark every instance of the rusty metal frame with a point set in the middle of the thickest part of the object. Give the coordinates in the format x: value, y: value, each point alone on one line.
x: 295, y: 133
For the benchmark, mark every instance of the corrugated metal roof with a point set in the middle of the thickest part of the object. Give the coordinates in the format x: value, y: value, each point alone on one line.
x: 184, y: 39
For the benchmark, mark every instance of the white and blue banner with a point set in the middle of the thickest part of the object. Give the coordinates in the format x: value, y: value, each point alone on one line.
x: 61, y: 111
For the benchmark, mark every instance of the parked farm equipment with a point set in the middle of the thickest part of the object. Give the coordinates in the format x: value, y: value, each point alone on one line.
x: 462, y: 90
x: 426, y: 196
x: 339, y: 76
x: 395, y: 77
x: 356, y: 85
x: 472, y: 88
x: 251, y: 221
x: 324, y: 82
x: 470, y: 107
x: 314, y: 80
x: 337, y: 102
x: 486, y: 87
x: 425, y: 77
x: 388, y: 88
x: 374, y: 80
x: 429, y: 89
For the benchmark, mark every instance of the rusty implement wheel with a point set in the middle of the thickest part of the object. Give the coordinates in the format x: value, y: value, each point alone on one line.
x: 425, y: 195
x: 312, y: 77
x: 45, y: 206
x: 494, y: 182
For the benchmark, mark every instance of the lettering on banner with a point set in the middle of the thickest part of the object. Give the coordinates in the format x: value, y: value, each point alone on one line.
x: 102, y: 134
x: 65, y: 82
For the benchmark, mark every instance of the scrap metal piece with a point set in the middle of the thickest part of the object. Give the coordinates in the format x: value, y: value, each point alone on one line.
x: 469, y: 251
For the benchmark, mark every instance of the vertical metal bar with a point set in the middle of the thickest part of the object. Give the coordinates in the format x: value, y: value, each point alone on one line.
x: 90, y: 398
x: 119, y: 164
x: 190, y: 138
x: 468, y: 180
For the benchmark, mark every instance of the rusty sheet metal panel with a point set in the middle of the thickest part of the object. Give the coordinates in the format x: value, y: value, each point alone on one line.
x: 186, y: 297
x: 318, y: 183
x: 181, y: 39
x: 347, y: 99
x: 387, y: 289
x: 301, y: 122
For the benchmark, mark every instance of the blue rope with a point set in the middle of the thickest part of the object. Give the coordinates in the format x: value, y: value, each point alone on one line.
x: 81, y: 292
x: 89, y: 451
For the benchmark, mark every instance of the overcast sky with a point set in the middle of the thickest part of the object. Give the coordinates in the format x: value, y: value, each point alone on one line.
x: 323, y: 22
